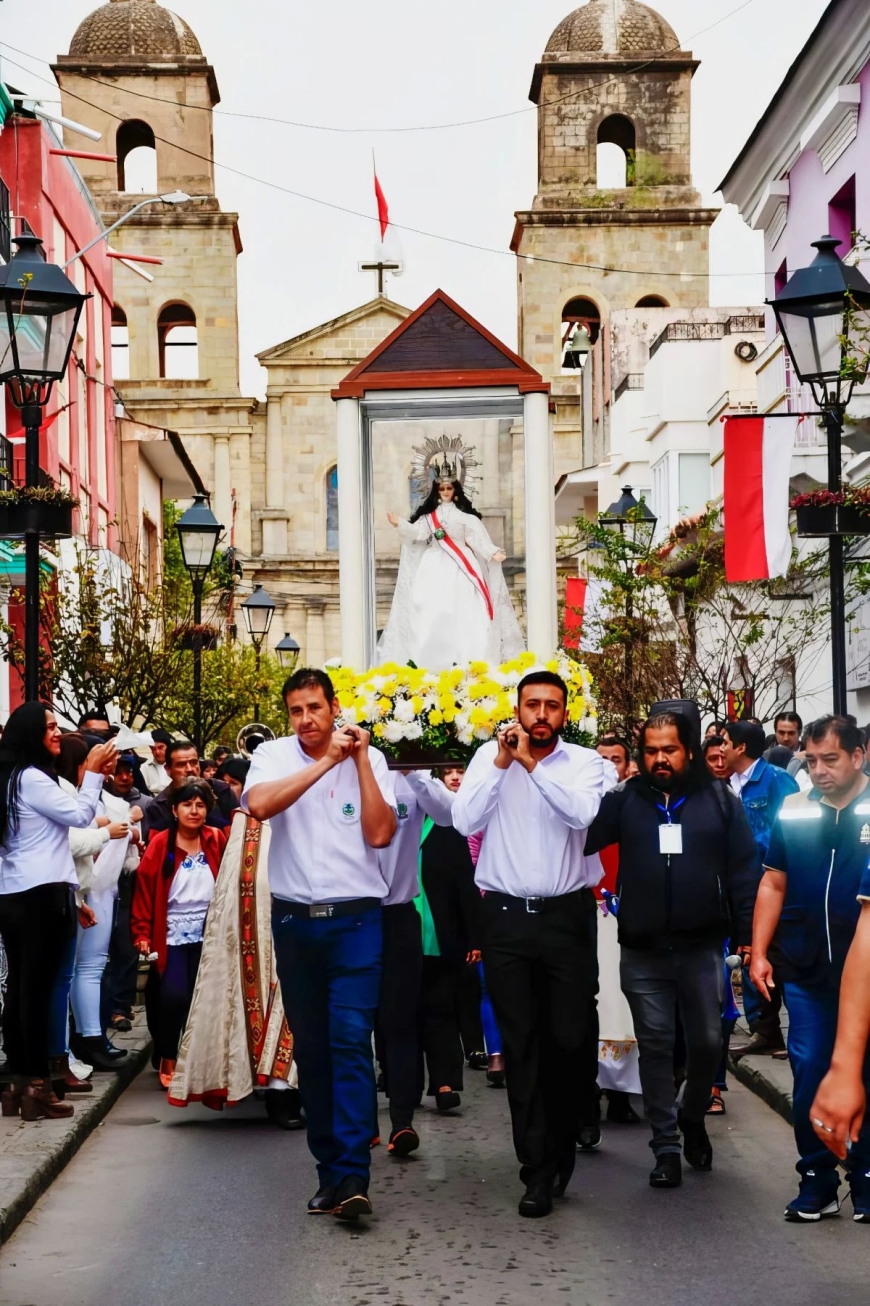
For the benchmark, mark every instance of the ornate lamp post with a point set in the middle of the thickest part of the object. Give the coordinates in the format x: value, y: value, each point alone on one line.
x: 39, y: 312
x: 823, y: 313
x: 258, y: 610
x: 637, y: 524
x: 198, y: 534
x: 287, y: 652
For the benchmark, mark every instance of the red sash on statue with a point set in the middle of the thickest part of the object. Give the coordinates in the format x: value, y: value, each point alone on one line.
x: 466, y: 566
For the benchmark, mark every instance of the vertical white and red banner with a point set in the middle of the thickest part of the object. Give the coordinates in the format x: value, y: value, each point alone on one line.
x: 383, y: 209
x: 758, y: 454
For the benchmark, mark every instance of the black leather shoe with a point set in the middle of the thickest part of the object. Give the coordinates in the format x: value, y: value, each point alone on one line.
x: 536, y: 1201
x: 447, y: 1101
x: 697, y: 1148
x: 478, y: 1060
x: 620, y: 1111
x: 403, y: 1141
x: 352, y: 1198
x: 284, y: 1108
x: 668, y: 1172
x: 97, y: 1052
x: 589, y: 1138
x: 323, y: 1201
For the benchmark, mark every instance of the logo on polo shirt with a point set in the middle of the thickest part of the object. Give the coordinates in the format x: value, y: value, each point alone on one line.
x: 865, y: 833
x: 402, y: 811
x: 348, y: 811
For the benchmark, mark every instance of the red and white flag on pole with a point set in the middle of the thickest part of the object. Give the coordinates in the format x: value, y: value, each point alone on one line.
x: 757, y: 464
x: 383, y: 210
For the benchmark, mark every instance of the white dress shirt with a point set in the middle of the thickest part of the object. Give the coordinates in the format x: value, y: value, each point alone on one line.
x: 418, y: 795
x: 535, y: 821
x: 738, y: 780
x: 37, y: 847
x: 154, y: 775
x: 317, y: 852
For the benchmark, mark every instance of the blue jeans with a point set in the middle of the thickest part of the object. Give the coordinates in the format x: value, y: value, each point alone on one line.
x: 491, y: 1034
x: 330, y: 975
x: 811, y: 1032
x: 58, y: 1003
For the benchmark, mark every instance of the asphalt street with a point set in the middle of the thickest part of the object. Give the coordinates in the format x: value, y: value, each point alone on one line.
x: 163, y: 1207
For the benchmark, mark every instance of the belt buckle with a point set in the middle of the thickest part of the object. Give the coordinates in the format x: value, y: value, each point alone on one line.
x: 321, y: 911
x: 534, y: 906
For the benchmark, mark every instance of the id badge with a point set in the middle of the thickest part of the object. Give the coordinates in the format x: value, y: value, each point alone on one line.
x: 670, y: 839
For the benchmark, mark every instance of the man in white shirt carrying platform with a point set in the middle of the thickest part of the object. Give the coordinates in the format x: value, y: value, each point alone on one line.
x: 535, y: 796
x: 329, y: 798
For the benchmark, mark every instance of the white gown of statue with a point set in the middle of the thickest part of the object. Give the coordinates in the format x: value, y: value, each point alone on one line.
x: 440, y: 614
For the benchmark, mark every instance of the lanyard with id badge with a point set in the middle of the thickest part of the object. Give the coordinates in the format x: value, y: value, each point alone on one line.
x: 670, y: 835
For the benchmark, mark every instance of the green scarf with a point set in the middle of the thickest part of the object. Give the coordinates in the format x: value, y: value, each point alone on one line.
x: 421, y: 902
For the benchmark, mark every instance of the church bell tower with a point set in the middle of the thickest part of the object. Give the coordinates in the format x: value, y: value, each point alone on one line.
x: 616, y: 222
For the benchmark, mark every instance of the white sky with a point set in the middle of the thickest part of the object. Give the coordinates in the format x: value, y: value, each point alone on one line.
x: 389, y: 63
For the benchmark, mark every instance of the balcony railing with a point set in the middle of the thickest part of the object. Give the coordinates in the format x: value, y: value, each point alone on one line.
x: 631, y: 381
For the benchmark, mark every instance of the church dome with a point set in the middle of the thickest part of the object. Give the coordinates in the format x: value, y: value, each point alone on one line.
x: 125, y: 29
x: 613, y: 27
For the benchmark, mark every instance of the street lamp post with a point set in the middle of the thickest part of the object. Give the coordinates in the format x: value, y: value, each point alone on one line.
x: 258, y: 610
x: 823, y: 314
x: 287, y: 652
x: 198, y: 534
x: 635, y: 522
x: 40, y: 312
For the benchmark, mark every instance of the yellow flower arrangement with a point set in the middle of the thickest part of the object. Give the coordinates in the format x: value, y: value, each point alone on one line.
x: 415, y: 714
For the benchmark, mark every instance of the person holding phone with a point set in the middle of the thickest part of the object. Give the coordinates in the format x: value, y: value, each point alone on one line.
x: 329, y: 799
x: 534, y: 796
x: 37, y: 894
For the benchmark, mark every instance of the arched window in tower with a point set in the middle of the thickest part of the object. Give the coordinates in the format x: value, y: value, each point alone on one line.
x: 616, y: 154
x: 581, y: 323
x: 120, y: 345
x: 332, y: 510
x: 177, y: 342
x: 137, y: 158
x: 652, y: 301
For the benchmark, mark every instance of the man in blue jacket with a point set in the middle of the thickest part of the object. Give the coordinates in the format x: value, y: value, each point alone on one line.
x: 762, y: 789
x: 809, y: 897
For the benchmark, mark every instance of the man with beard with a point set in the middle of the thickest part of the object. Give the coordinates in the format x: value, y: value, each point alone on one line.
x: 688, y: 867
x: 535, y: 796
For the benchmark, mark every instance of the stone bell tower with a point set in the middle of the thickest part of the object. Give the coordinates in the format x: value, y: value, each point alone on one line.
x: 613, y: 75
x: 136, y: 73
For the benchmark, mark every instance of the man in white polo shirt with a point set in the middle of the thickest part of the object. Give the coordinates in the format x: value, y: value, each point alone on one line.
x: 329, y: 799
x: 535, y: 796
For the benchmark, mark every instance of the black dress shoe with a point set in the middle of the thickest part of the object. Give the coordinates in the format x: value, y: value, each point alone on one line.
x: 668, y: 1172
x: 447, y: 1101
x: 697, y: 1148
x: 97, y: 1052
x: 323, y: 1201
x: 478, y: 1060
x: 284, y: 1108
x: 537, y: 1200
x: 589, y: 1138
x: 352, y: 1198
x: 620, y: 1111
x: 403, y: 1141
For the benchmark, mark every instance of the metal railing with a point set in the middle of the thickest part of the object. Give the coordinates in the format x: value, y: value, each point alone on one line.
x: 745, y: 323
x: 631, y: 381
x: 682, y: 331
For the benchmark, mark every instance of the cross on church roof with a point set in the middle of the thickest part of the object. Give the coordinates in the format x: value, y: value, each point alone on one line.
x: 381, y: 267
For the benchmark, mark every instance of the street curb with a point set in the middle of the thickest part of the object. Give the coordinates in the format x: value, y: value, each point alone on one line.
x: 754, y: 1078
x: 19, y: 1199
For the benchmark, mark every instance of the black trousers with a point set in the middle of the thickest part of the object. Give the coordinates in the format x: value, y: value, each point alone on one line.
x: 442, y: 1043
x: 36, y: 926
x: 542, y: 976
x: 122, y: 969
x: 397, y: 1031
x: 176, y: 994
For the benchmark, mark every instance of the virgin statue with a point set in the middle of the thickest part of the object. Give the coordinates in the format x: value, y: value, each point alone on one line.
x: 451, y: 604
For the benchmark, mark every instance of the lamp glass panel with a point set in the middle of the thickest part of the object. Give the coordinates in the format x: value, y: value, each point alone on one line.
x: 197, y: 548
x: 813, y: 336
x: 258, y: 618
x: 35, y: 336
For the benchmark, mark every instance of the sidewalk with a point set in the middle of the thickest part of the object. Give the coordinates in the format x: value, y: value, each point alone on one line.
x: 769, y: 1078
x: 32, y: 1155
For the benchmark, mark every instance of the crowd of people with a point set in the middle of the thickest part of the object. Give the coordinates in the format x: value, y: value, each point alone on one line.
x: 568, y: 920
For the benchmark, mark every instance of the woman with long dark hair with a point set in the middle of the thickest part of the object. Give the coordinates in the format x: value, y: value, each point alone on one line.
x: 37, y: 888
x: 451, y: 604
x: 174, y: 887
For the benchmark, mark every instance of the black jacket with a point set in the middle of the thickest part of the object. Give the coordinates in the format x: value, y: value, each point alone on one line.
x: 454, y: 899
x: 703, y: 894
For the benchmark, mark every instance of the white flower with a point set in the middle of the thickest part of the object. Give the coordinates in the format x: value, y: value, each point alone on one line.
x: 403, y: 710
x: 332, y: 665
x: 350, y: 716
x: 394, y: 731
x: 483, y: 732
x: 465, y: 735
x: 414, y: 730
x: 461, y: 723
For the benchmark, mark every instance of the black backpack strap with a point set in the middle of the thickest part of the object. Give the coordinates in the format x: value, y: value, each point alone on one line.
x: 726, y: 801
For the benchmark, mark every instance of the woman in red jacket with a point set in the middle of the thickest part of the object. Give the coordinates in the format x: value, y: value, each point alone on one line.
x: 174, y: 887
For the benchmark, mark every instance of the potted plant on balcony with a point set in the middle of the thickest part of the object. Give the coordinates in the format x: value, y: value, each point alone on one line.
x: 833, y: 512
x: 189, y: 636
x: 47, y: 509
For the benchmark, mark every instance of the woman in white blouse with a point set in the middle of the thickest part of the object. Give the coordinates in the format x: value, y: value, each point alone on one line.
x: 174, y: 887
x: 37, y: 888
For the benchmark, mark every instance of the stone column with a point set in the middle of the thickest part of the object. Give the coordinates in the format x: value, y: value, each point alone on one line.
x: 274, y: 461
x: 222, y: 506
x: 542, y: 632
x: 351, y: 563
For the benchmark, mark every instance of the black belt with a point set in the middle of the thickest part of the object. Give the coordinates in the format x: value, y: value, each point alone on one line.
x: 534, y: 906
x: 326, y: 910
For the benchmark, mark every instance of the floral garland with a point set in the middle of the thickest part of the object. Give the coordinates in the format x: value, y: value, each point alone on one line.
x: 416, y: 714
x: 850, y: 496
